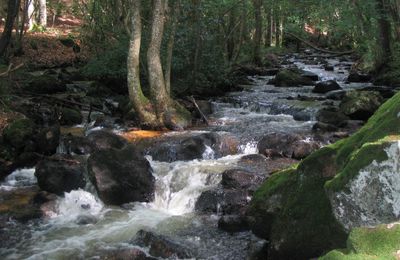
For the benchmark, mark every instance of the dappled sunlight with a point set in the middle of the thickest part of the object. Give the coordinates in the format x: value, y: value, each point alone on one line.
x: 141, y: 134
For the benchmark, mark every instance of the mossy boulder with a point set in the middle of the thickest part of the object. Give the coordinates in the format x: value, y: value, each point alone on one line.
x: 381, y: 242
x: 46, y: 84
x: 70, y: 117
x: 292, y: 78
x: 17, y: 133
x: 296, y: 210
x: 361, y: 105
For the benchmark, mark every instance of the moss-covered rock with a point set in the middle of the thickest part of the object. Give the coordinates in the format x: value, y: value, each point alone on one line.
x: 70, y: 117
x: 361, y: 105
x: 46, y: 84
x: 291, y: 78
x: 18, y: 132
x: 295, y: 209
x: 382, y: 242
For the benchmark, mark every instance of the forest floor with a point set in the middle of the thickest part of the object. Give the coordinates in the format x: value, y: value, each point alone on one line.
x: 57, y: 46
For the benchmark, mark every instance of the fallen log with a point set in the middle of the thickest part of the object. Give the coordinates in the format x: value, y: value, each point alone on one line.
x: 199, y: 110
x: 11, y: 69
x: 335, y: 53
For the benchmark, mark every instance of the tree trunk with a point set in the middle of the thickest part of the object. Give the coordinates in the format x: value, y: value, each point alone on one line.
x: 384, y: 33
x: 12, y: 12
x: 170, y: 45
x: 258, y: 33
x: 31, y: 10
x: 159, y: 94
x: 138, y: 99
x: 43, y: 13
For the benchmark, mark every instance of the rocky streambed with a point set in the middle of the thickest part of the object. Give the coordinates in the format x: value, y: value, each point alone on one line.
x: 104, y: 190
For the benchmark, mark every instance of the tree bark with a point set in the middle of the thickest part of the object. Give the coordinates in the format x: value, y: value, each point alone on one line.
x: 43, y: 13
x: 384, y: 33
x: 173, y: 17
x: 258, y: 32
x: 159, y: 94
x: 12, y: 12
x: 31, y: 10
x: 138, y: 99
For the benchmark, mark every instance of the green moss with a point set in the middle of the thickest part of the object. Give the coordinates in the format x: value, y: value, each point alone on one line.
x: 290, y: 78
x: 275, y: 182
x: 363, y: 157
x: 18, y: 132
x: 382, y: 242
x: 383, y: 123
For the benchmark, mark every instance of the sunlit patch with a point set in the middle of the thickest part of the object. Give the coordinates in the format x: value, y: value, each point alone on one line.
x: 141, y: 134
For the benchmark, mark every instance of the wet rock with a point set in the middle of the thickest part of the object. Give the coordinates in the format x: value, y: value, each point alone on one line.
x: 48, y: 140
x: 326, y: 86
x: 309, y: 75
x: 358, y: 77
x: 193, y: 147
x: 59, y: 174
x: 125, y: 254
x: 336, y: 95
x: 291, y: 78
x: 239, y: 179
x: 329, y: 68
x: 258, y: 250
x: 18, y: 133
x: 121, y: 176
x: 70, y: 117
x: 332, y: 116
x: 223, y: 201
x: 386, y: 92
x: 104, y: 140
x: 286, y: 145
x: 302, y: 149
x: 46, y: 84
x: 86, y: 220
x: 325, y: 127
x: 360, y: 105
x: 20, y: 204
x: 162, y: 246
x: 233, y: 223
x: 78, y: 145
x: 255, y: 163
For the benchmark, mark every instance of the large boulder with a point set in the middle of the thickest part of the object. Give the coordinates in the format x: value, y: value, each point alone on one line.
x: 46, y: 84
x: 18, y: 133
x: 310, y: 208
x: 333, y: 116
x: 357, y: 77
x: 291, y: 78
x: 240, y: 179
x: 381, y: 242
x: 104, y: 140
x: 48, y: 139
x: 121, y: 176
x: 326, y: 86
x: 60, y: 174
x: 70, y: 117
x: 361, y: 105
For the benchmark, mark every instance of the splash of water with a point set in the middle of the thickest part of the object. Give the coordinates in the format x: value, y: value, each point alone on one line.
x: 19, y: 178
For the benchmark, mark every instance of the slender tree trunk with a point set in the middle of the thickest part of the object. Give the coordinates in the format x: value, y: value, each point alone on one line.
x: 43, y: 13
x: 31, y: 18
x: 138, y: 99
x: 12, y: 12
x: 197, y: 39
x: 258, y: 33
x: 268, y: 29
x: 384, y: 33
x: 170, y: 45
x: 158, y: 91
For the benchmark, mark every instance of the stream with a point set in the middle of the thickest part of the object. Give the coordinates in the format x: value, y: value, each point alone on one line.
x: 80, y: 226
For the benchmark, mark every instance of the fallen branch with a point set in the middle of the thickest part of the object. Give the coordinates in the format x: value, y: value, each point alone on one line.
x: 201, y: 112
x: 336, y: 53
x: 11, y: 69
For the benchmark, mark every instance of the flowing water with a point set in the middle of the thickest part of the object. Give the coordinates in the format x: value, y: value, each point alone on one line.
x: 80, y: 226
